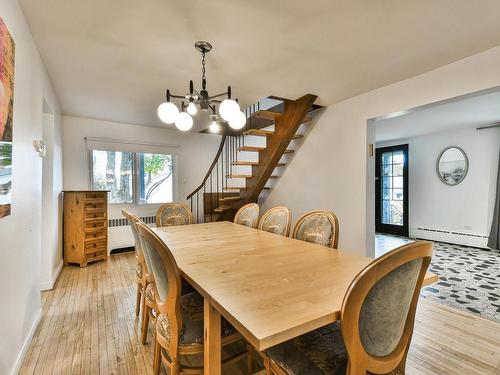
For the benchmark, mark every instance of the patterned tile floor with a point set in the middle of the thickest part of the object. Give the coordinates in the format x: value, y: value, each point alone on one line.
x: 469, y: 278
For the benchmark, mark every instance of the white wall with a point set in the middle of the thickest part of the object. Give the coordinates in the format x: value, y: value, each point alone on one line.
x: 51, y: 261
x: 332, y: 168
x: 194, y: 157
x: 466, y: 207
x: 20, y: 233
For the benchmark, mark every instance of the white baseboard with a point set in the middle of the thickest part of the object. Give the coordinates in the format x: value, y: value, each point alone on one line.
x: 49, y: 285
x: 455, y: 237
x: 24, y: 349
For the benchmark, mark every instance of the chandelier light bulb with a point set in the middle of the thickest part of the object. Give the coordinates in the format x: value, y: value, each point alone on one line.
x: 167, y: 112
x: 214, y: 127
x: 228, y: 109
x: 238, y: 121
x: 184, y: 121
x: 191, y: 109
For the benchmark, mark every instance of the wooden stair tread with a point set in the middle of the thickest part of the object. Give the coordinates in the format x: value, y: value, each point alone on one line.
x: 252, y: 163
x: 230, y: 199
x: 240, y: 162
x: 265, y: 133
x: 258, y: 132
x: 244, y: 176
x: 276, y: 97
x: 239, y: 176
x: 241, y: 188
x: 222, y: 208
x: 251, y: 148
x: 265, y: 114
x: 257, y: 149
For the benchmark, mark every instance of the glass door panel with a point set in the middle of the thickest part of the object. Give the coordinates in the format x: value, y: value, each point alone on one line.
x: 392, y: 190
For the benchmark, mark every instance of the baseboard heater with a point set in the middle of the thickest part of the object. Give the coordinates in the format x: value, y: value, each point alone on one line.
x: 122, y: 222
x: 460, y: 238
x: 119, y: 232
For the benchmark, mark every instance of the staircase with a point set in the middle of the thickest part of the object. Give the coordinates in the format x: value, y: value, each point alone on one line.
x: 247, y: 163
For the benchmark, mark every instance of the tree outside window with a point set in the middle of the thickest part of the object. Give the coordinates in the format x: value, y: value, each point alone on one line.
x: 155, y: 178
x: 116, y: 171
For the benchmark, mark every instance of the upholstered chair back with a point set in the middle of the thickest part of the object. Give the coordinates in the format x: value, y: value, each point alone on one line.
x: 167, y: 280
x: 134, y: 220
x: 320, y: 227
x: 276, y: 220
x: 173, y: 214
x: 137, y: 244
x: 248, y: 215
x: 378, y: 311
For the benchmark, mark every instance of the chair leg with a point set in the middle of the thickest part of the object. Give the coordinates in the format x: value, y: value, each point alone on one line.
x: 175, y: 367
x: 157, y: 358
x: 251, y: 359
x: 145, y: 323
x: 138, y: 300
x: 143, y: 299
x: 402, y: 365
x: 355, y: 368
x: 267, y: 366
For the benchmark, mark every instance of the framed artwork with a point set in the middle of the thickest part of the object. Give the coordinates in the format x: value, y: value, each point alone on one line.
x: 7, y: 50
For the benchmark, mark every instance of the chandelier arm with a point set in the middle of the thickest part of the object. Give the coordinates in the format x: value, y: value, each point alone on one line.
x: 215, y: 101
x: 218, y: 95
x: 178, y: 96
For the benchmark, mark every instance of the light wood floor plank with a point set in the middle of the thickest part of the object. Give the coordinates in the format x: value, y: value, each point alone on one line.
x: 89, y: 327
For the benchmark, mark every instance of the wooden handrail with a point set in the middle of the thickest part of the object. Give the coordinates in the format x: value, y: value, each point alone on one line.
x: 214, y: 163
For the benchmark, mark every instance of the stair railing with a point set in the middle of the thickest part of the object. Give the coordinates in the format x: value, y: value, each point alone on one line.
x: 205, y: 198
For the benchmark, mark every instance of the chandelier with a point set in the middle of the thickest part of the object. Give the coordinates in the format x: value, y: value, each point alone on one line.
x: 229, y: 109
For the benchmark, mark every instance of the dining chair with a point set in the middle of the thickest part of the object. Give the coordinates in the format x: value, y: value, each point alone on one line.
x: 376, y: 322
x: 173, y: 214
x: 320, y: 227
x: 140, y: 273
x: 276, y: 220
x: 148, y: 302
x: 248, y: 215
x: 179, y: 324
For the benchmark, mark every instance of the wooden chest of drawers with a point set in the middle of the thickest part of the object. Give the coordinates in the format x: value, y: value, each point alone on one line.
x: 85, y: 226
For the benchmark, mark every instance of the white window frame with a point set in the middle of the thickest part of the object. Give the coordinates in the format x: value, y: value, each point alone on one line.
x: 136, y: 176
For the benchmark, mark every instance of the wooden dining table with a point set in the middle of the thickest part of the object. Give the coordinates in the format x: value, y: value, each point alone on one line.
x: 271, y: 288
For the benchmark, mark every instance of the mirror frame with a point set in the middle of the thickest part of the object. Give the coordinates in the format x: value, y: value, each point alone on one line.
x: 466, y: 165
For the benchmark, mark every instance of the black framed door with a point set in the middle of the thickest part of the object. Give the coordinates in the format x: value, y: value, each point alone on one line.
x: 391, y: 190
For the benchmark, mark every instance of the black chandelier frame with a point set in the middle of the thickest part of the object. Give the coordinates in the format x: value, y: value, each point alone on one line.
x: 202, y: 98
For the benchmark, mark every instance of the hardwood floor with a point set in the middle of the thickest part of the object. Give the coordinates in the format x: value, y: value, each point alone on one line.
x: 89, y: 327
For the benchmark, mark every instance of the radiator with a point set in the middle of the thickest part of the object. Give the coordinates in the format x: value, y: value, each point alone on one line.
x: 450, y: 236
x: 120, y: 234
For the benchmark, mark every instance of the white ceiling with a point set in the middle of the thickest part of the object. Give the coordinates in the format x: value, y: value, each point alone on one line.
x: 113, y: 59
x: 469, y: 111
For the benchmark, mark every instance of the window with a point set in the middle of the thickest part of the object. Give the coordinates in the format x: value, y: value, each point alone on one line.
x: 133, y: 177
x: 155, y: 178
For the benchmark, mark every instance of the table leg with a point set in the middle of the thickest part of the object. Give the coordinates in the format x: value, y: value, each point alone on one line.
x: 212, y: 350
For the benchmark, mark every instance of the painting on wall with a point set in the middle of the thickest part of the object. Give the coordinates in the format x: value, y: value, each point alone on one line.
x: 7, y: 50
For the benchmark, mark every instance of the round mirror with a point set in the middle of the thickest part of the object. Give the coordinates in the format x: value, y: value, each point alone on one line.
x: 452, y: 165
